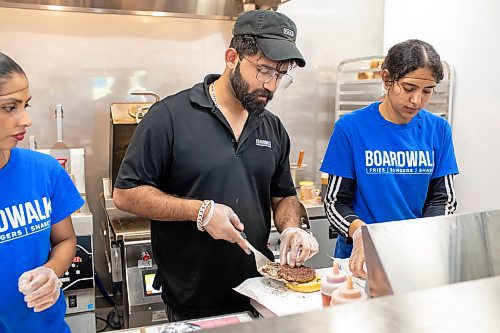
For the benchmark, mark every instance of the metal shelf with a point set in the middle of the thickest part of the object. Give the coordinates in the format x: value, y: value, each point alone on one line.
x: 358, y: 92
x: 363, y: 81
x: 362, y: 70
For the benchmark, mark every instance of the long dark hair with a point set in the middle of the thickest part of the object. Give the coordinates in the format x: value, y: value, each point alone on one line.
x: 410, y: 55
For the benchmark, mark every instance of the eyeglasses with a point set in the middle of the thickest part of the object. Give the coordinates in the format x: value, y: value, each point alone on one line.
x: 266, y: 74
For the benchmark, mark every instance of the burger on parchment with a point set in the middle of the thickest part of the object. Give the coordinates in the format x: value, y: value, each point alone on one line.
x: 298, y: 278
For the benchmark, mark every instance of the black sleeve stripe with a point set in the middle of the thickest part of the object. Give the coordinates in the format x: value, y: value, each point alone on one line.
x: 333, y: 215
x: 455, y: 203
x: 344, y: 224
x: 330, y: 200
x: 451, y: 203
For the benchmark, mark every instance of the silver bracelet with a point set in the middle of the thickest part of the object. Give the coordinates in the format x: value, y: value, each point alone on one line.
x: 201, y: 213
x: 209, y: 215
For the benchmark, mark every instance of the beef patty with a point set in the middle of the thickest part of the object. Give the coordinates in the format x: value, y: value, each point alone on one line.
x: 296, y: 274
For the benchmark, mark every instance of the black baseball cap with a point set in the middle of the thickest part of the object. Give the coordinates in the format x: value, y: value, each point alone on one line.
x: 274, y: 32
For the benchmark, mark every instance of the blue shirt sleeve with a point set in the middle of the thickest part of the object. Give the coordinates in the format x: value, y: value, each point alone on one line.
x: 339, y: 158
x: 446, y: 163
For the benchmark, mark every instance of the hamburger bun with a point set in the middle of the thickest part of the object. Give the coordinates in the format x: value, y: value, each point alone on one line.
x: 364, y: 75
x: 306, y: 287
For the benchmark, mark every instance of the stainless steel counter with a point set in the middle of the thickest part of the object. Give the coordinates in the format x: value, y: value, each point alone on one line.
x: 410, y: 255
x: 126, y: 226
x: 471, y: 306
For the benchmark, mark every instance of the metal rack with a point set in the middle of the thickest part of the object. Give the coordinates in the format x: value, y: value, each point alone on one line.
x: 359, y: 84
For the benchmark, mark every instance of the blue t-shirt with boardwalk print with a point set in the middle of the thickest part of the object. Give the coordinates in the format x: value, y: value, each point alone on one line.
x: 35, y: 193
x: 392, y: 164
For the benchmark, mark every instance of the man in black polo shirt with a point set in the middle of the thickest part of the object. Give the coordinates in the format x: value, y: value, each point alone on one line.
x: 211, y: 161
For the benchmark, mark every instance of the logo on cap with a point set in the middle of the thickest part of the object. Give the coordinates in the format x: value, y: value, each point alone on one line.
x: 288, y: 32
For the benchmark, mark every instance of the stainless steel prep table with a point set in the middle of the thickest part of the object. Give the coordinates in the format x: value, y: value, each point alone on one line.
x: 471, y: 306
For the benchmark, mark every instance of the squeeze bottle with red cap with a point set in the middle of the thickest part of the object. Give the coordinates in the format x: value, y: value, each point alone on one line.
x: 334, y: 280
x: 348, y: 293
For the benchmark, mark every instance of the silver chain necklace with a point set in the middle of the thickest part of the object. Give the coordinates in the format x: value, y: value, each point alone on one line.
x: 212, y: 94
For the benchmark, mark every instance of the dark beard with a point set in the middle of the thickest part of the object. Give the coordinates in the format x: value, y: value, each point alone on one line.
x: 248, y: 100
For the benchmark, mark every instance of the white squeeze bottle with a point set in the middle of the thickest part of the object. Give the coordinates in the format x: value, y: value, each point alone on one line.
x: 348, y: 293
x: 334, y: 280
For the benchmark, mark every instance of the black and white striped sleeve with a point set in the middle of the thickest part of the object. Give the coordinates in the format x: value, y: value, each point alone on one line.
x: 338, y: 204
x: 441, y: 199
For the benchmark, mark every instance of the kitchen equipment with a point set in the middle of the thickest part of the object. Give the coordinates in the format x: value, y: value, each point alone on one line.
x: 138, y: 112
x: 124, y: 118
x: 128, y: 238
x: 60, y: 151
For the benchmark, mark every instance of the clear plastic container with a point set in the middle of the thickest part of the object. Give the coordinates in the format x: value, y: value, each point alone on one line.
x: 297, y: 173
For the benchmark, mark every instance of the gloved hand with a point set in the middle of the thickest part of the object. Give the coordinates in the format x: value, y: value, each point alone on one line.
x: 297, y: 245
x: 357, y: 259
x: 41, y: 288
x: 226, y: 225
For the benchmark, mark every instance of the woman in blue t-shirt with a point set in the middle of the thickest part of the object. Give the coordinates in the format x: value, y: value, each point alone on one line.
x: 391, y: 160
x: 37, y: 197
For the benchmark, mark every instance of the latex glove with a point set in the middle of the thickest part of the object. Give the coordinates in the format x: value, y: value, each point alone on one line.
x: 297, y: 245
x: 226, y: 225
x: 357, y: 259
x: 41, y: 288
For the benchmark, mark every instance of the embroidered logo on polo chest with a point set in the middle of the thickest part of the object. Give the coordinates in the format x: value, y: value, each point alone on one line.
x: 263, y: 143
